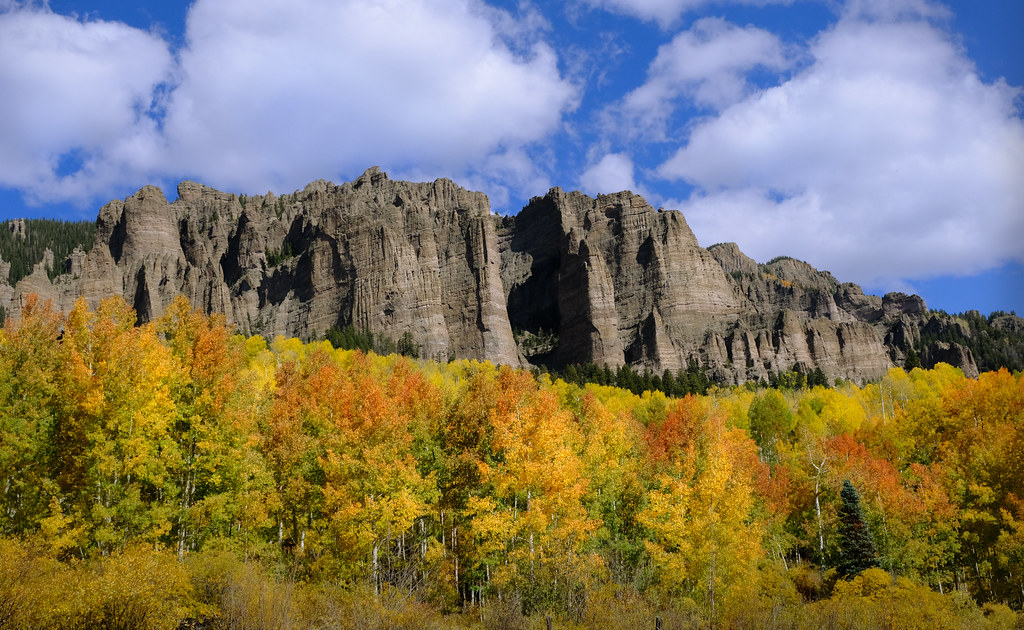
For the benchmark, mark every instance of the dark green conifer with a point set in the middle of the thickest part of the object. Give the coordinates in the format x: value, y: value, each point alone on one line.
x: 817, y: 377
x: 572, y: 375
x: 668, y: 383
x: 856, y: 548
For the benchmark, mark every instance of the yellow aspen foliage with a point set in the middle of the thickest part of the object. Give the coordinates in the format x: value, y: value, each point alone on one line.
x: 612, y: 453
x: 31, y: 362
x: 116, y: 422
x: 176, y: 473
x: 138, y: 587
x: 539, y: 476
x: 60, y: 533
x: 703, y: 540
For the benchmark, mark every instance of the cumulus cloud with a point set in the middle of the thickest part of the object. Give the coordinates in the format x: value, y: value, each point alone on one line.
x: 890, y: 10
x: 270, y: 94
x: 612, y: 173
x: 506, y: 176
x: 666, y: 12
x: 706, y: 64
x: 887, y: 158
x: 276, y: 92
x: 78, y: 102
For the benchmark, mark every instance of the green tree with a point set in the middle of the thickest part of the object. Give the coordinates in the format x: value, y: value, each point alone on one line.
x: 817, y: 377
x: 913, y: 361
x: 856, y: 548
x: 407, y: 346
x: 770, y: 422
x: 23, y: 243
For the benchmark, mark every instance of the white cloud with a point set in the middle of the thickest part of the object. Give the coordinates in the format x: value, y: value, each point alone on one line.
x: 886, y: 159
x: 271, y: 94
x: 507, y: 177
x: 612, y: 173
x: 275, y: 93
x: 666, y: 12
x: 706, y: 64
x: 76, y: 92
x: 891, y: 10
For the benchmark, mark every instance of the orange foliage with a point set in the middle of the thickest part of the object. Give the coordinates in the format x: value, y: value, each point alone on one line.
x: 464, y: 481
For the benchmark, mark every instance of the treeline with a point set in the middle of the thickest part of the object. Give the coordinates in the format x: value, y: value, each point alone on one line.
x: 349, y: 338
x: 692, y: 380
x: 177, y: 475
x: 995, y: 341
x: 23, y: 249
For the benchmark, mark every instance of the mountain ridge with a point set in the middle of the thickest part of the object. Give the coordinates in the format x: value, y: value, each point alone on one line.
x: 611, y: 280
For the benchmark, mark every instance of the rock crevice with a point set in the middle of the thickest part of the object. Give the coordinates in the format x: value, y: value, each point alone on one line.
x: 609, y: 280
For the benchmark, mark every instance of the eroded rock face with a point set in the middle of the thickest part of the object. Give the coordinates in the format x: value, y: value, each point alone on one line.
x: 608, y: 280
x: 620, y: 281
x: 387, y: 257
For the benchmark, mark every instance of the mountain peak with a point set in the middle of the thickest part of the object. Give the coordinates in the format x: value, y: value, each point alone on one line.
x: 606, y: 279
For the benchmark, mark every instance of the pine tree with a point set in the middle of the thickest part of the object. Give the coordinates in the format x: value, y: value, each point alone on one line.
x: 856, y: 548
x: 817, y: 377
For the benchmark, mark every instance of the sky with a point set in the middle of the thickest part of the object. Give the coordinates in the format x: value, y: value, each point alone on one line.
x: 882, y: 140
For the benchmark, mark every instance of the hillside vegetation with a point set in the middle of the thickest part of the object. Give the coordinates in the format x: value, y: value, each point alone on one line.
x: 24, y: 241
x: 995, y: 341
x: 177, y: 475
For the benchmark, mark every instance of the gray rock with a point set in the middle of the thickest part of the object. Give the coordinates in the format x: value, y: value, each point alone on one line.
x: 608, y: 280
x: 387, y: 257
x: 620, y: 281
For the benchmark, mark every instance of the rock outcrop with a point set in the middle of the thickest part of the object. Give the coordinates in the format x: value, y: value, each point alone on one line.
x: 623, y: 283
x: 608, y: 280
x: 386, y: 257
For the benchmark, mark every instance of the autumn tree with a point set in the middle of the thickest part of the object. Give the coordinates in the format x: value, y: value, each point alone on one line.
x: 537, y: 476
x: 462, y: 485
x: 702, y: 538
x: 31, y: 360
x: 613, y: 460
x: 221, y: 478
x: 770, y: 422
x: 117, y: 419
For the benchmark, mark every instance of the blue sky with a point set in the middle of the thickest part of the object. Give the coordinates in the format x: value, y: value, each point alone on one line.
x: 882, y: 140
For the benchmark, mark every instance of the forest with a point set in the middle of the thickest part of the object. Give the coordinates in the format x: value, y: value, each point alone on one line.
x: 23, y: 243
x: 179, y: 475
x: 995, y: 341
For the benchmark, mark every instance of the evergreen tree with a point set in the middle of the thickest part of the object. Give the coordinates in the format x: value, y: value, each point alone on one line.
x: 913, y: 361
x: 407, y: 346
x: 22, y: 243
x: 645, y: 383
x: 572, y: 375
x: 668, y: 383
x: 856, y: 548
x: 817, y: 377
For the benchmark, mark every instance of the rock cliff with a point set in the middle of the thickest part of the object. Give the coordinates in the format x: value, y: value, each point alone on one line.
x: 386, y: 257
x: 608, y: 280
x: 620, y: 282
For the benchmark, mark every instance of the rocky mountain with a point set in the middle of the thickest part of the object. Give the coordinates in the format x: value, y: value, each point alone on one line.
x: 609, y: 280
x: 382, y: 255
x: 623, y: 283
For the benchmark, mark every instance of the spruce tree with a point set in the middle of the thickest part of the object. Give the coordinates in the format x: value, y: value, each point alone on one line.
x: 856, y: 548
